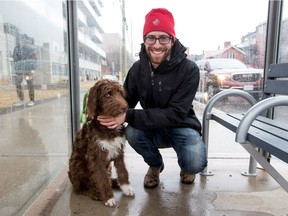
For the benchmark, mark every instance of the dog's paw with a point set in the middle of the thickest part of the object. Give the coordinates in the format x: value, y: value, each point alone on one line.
x: 127, y: 190
x: 111, y: 202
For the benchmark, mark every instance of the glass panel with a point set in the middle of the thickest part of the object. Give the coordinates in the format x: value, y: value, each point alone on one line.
x: 283, y: 50
x: 230, y: 32
x: 280, y: 113
x: 92, y: 56
x: 209, y: 29
x: 35, y: 138
x: 241, y: 44
x: 34, y: 99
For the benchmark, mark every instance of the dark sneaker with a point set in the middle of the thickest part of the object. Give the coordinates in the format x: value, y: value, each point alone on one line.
x: 187, y: 178
x: 151, y: 179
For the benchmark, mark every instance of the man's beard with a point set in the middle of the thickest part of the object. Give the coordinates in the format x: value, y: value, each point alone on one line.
x: 158, y: 59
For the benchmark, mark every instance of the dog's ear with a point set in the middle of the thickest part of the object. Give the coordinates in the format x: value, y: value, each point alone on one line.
x: 92, y: 102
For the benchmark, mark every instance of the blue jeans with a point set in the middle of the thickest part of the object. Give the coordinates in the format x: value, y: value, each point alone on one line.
x: 186, y: 142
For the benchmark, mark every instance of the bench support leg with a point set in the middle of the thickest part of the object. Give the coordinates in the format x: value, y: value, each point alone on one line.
x: 267, y: 166
x: 252, y: 168
x: 206, y: 173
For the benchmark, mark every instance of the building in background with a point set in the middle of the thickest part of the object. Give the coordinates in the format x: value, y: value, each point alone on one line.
x: 251, y: 50
x: 112, y: 46
x: 92, y: 58
x: 52, y: 65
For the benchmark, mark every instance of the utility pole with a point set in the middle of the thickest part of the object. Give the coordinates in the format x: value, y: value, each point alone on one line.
x: 124, y: 27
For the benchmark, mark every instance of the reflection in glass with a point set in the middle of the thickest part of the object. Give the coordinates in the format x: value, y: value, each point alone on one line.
x: 34, y: 102
x: 35, y: 137
x: 283, y: 48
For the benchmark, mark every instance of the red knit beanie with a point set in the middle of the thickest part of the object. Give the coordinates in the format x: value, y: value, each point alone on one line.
x: 159, y: 19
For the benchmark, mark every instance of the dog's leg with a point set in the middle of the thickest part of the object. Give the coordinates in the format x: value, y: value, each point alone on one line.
x: 100, y: 178
x: 78, y: 173
x: 122, y: 175
x: 114, y: 181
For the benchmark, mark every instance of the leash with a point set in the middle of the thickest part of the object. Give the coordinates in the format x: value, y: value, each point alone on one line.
x: 82, y: 117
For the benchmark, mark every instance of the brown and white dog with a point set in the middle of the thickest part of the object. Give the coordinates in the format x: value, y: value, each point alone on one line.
x: 96, y: 147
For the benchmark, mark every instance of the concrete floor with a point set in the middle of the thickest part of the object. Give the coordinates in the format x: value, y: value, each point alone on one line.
x: 227, y: 193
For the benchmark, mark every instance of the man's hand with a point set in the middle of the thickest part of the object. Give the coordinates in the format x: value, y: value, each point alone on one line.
x: 111, y: 122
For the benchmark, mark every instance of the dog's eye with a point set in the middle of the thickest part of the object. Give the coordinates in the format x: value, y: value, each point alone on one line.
x: 108, y: 95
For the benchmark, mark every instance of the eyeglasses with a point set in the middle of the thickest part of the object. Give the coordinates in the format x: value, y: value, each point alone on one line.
x: 163, y: 40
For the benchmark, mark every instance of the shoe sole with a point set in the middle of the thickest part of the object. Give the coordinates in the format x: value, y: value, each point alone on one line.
x: 187, y: 182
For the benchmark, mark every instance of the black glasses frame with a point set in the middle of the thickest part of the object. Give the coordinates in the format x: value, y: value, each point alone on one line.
x: 159, y: 39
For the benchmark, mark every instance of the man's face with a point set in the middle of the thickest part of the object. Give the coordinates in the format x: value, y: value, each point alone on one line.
x: 158, y: 52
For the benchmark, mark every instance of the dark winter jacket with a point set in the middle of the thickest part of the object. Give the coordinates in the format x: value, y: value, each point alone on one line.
x: 165, y: 93
x: 24, y: 59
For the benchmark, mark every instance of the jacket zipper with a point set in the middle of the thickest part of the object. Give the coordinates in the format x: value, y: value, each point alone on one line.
x: 152, y: 80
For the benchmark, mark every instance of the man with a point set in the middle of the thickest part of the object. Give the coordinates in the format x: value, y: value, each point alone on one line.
x: 24, y: 65
x: 165, y: 82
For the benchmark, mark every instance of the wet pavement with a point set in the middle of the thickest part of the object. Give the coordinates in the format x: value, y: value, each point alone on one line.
x: 226, y: 193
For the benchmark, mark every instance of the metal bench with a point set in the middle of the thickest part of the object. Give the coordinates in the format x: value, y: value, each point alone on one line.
x: 255, y: 130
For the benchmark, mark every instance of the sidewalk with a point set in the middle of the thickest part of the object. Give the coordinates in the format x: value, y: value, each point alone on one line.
x: 8, y: 95
x: 226, y: 193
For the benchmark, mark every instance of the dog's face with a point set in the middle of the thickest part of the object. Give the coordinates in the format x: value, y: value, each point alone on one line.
x: 106, y: 98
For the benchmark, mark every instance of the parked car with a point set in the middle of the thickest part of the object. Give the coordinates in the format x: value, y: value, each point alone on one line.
x: 110, y: 77
x: 219, y: 74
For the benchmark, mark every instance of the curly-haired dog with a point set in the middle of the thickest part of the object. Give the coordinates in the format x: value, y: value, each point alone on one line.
x: 96, y: 147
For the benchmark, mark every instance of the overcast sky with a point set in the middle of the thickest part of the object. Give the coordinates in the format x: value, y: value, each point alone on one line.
x: 199, y: 24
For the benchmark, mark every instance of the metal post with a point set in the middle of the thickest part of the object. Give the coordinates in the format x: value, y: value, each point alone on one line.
x: 252, y: 168
x: 73, y: 66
